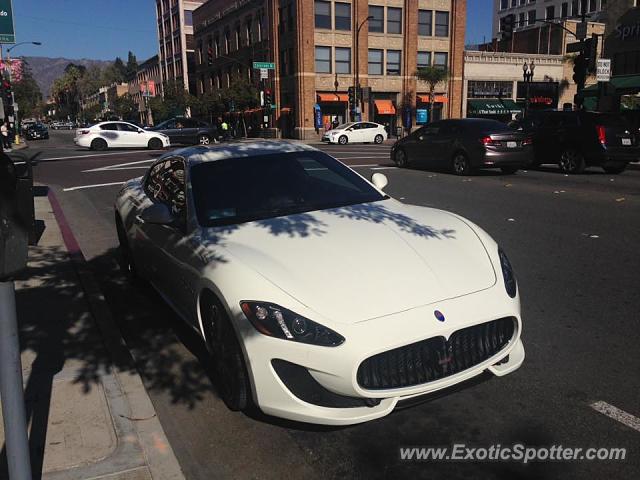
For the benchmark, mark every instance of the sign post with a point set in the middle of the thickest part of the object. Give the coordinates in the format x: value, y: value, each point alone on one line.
x: 7, y: 31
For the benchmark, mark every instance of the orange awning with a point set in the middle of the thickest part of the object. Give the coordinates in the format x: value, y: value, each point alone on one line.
x: 385, y: 107
x: 436, y: 98
x: 333, y: 97
x: 285, y: 110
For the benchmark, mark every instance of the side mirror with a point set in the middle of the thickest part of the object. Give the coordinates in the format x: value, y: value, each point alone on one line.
x: 140, y: 130
x: 421, y: 137
x: 380, y: 180
x: 157, y: 214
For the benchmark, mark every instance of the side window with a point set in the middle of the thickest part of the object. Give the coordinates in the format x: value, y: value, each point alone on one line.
x: 165, y: 183
x: 189, y: 123
x: 169, y: 125
x: 370, y: 125
x: 125, y: 127
x: 109, y: 126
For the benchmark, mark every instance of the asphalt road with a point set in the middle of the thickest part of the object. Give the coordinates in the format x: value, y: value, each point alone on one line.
x: 573, y: 241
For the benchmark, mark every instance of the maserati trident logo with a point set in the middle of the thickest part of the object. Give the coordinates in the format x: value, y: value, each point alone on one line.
x: 439, y: 316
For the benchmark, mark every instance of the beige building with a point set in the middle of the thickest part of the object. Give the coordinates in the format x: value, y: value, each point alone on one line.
x: 175, y: 36
x: 146, y: 84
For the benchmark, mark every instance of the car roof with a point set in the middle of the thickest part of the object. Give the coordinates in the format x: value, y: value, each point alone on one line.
x: 201, y: 154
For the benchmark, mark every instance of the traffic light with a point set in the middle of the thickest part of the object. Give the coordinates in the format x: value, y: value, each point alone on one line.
x: 580, y: 71
x: 352, y: 99
x: 267, y: 98
x: 210, y: 56
x: 7, y: 95
x: 508, y: 23
x: 591, y: 51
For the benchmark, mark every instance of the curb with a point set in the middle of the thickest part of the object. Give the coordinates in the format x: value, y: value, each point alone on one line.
x: 158, y: 453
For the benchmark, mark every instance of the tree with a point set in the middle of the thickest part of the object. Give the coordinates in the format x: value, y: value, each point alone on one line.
x: 65, y: 91
x: 27, y: 93
x: 131, y: 68
x: 432, y: 76
x: 125, y: 107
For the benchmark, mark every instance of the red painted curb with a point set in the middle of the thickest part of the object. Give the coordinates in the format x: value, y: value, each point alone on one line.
x: 67, y: 234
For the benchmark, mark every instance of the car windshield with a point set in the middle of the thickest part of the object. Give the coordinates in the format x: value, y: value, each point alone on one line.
x: 343, y: 126
x: 241, y: 190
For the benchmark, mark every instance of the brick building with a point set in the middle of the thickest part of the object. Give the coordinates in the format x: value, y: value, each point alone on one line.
x: 313, y: 45
x: 146, y: 84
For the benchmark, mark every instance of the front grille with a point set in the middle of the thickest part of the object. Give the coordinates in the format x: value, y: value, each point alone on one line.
x: 435, y: 358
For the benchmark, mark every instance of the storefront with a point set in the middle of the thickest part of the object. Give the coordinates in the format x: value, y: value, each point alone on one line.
x: 333, y: 108
x: 542, y: 95
x: 384, y: 111
x: 501, y: 109
x: 422, y: 103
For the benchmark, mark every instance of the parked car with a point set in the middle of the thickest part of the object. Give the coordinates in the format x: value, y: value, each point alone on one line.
x: 320, y: 298
x: 464, y: 145
x: 104, y: 135
x: 576, y: 140
x: 187, y: 131
x: 37, y: 131
x: 356, y: 132
x: 62, y: 125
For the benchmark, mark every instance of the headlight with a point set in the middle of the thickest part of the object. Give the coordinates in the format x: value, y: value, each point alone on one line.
x: 510, y: 283
x: 276, y: 321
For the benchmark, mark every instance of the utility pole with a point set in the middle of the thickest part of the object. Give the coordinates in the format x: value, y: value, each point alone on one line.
x: 356, y: 77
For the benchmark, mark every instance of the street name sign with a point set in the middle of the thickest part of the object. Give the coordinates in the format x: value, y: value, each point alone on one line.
x: 267, y: 65
x: 7, y: 32
x: 603, y: 71
x: 574, y: 47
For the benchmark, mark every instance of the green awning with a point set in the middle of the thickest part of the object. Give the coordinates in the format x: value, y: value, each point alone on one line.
x: 623, y: 84
x: 590, y: 103
x: 488, y: 106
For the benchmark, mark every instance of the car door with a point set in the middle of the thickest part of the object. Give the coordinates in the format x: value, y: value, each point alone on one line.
x: 354, y: 133
x: 130, y: 135
x: 442, y: 144
x: 169, y: 129
x: 189, y: 131
x: 111, y: 134
x: 421, y: 150
x: 369, y: 132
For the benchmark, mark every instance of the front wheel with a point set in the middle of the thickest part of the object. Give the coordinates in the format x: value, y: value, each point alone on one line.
x: 460, y: 164
x: 343, y: 140
x: 615, y: 169
x: 229, y: 367
x: 572, y: 161
x: 378, y: 139
x: 400, y: 158
x: 155, y: 144
x: 204, y: 140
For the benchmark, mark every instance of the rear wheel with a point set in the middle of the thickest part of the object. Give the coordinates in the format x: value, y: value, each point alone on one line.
x: 155, y: 144
x: 509, y: 170
x: 228, y: 361
x: 99, y: 144
x: 572, y: 161
x: 615, y: 169
x: 378, y: 139
x: 343, y: 140
x: 400, y: 158
x: 460, y: 164
x: 204, y: 139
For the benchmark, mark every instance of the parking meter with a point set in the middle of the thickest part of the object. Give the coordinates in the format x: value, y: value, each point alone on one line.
x: 13, y: 228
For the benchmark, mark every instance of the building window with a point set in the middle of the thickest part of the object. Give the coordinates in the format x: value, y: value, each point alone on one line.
x: 504, y: 4
x: 393, y: 62
x: 342, y: 16
x: 424, y: 59
x: 238, y: 39
x: 442, y: 24
x: 376, y: 24
x: 343, y: 60
x: 531, y: 17
x: 323, y: 14
x: 425, y: 19
x: 188, y: 18
x: 550, y: 12
x: 592, y: 5
x: 375, y: 62
x: 575, y: 8
x: 514, y: 2
x: 394, y: 20
x: 227, y: 41
x: 199, y: 53
x: 564, y: 10
x: 259, y: 27
x: 441, y: 60
x: 216, y: 48
x: 489, y: 89
x: 249, y: 33
x: 521, y: 20
x: 323, y: 59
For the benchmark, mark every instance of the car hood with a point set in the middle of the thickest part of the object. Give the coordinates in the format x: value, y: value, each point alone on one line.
x: 365, y: 261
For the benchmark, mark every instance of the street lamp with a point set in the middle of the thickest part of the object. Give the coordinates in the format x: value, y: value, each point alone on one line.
x: 22, y: 43
x: 356, y: 81
x: 527, y: 75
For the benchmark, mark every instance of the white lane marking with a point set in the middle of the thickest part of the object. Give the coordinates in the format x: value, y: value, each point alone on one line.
x: 118, y: 166
x: 93, y: 155
x: 617, y: 414
x: 82, y: 187
x: 384, y: 168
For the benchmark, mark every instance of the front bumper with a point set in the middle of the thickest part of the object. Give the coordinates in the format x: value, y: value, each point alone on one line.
x: 337, y: 398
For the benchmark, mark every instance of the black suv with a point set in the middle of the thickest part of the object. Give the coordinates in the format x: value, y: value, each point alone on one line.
x: 36, y: 131
x: 188, y: 131
x: 576, y: 140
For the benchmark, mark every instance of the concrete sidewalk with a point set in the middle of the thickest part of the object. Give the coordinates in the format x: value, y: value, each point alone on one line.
x: 88, y: 412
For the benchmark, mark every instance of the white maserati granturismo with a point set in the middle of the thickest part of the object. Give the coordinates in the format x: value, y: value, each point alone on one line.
x: 320, y: 298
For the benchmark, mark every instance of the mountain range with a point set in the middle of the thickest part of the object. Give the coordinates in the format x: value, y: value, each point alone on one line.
x: 45, y: 70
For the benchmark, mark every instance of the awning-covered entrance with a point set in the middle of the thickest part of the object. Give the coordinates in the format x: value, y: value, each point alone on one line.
x: 436, y: 98
x: 333, y: 97
x: 503, y: 106
x: 385, y: 107
x: 623, y: 84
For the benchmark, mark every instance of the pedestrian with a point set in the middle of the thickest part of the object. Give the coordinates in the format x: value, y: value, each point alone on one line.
x: 335, y: 123
x: 225, y: 130
x: 6, y: 141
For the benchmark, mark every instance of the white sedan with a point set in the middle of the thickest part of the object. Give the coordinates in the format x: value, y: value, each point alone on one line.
x: 320, y: 298
x: 104, y: 135
x: 356, y: 132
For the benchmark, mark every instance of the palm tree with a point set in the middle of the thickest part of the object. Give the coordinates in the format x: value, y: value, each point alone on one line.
x: 432, y: 76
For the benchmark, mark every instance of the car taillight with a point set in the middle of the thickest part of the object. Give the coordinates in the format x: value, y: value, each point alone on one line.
x: 601, y: 134
x: 487, y: 141
x: 527, y: 141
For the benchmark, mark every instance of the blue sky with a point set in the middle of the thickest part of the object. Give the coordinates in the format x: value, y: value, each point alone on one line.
x: 104, y: 29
